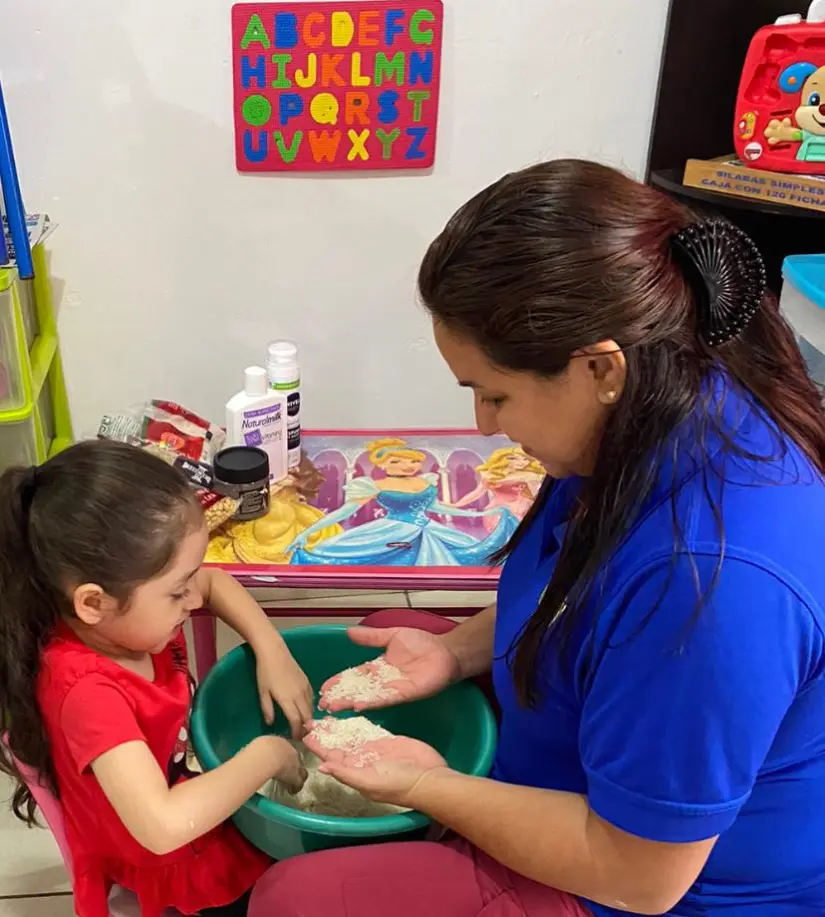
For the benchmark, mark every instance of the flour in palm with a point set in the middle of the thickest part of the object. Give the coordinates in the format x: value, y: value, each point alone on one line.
x: 366, y: 684
x: 322, y: 794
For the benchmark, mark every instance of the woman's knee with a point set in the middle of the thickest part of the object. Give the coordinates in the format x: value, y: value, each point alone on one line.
x: 401, y: 879
x: 292, y: 888
x: 409, y: 617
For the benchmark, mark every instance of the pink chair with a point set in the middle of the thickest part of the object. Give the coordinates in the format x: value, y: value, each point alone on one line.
x: 122, y: 903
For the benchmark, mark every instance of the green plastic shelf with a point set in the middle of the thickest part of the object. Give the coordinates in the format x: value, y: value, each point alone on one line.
x: 35, y: 422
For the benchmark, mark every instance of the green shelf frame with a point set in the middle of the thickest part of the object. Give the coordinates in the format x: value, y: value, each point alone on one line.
x: 41, y: 364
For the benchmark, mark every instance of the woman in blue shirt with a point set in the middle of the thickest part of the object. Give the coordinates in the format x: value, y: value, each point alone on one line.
x: 657, y: 642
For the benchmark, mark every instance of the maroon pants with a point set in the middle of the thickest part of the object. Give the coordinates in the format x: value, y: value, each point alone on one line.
x: 451, y: 879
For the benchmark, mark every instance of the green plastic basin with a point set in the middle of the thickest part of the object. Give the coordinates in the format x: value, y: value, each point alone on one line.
x: 226, y: 716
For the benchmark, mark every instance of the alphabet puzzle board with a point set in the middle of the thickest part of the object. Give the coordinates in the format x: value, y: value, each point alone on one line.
x: 350, y: 86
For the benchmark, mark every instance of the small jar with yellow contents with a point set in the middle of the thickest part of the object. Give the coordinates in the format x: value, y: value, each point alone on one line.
x: 242, y: 473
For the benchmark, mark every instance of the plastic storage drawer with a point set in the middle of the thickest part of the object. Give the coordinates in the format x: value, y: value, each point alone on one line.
x: 12, y: 348
x: 34, y: 410
x: 18, y: 444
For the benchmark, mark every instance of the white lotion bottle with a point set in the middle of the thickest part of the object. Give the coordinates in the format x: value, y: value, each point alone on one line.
x: 285, y: 377
x: 257, y: 417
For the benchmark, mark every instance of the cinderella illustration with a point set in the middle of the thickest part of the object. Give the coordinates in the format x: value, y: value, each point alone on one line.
x: 406, y: 535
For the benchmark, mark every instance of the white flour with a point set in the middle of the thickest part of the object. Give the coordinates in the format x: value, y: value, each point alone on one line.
x: 324, y: 795
x: 348, y: 735
x: 365, y: 685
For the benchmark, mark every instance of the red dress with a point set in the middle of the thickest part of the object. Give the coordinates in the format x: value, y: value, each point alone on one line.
x: 90, y: 705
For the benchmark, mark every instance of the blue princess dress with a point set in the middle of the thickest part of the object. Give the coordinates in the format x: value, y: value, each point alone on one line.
x: 406, y: 536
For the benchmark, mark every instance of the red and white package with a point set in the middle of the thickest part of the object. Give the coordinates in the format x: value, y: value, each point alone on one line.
x: 172, y: 426
x: 169, y: 426
x: 181, y: 439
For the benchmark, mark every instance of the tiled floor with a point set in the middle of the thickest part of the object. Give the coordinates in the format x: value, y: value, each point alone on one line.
x: 54, y: 906
x: 33, y: 882
x: 30, y: 868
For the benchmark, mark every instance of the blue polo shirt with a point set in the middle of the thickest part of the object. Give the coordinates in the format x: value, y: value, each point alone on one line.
x: 680, y: 727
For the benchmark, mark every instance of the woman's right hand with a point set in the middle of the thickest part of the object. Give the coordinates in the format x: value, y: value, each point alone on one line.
x: 287, y: 767
x: 426, y: 663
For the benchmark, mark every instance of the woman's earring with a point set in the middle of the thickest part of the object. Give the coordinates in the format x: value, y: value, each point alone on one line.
x: 610, y: 397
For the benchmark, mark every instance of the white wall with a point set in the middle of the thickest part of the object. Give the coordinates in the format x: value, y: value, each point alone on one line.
x: 177, y: 271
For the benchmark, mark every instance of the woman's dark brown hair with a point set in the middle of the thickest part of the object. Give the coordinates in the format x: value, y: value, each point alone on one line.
x: 568, y: 254
x: 100, y: 512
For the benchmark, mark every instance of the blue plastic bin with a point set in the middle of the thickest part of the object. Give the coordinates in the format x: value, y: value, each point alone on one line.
x: 803, y: 304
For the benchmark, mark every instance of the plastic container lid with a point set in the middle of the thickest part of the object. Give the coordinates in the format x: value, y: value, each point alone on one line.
x: 807, y: 274
x: 242, y: 465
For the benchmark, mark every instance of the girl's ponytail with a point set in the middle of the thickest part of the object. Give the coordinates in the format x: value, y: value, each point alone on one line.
x: 27, y: 615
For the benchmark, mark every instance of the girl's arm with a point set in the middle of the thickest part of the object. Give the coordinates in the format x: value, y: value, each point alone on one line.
x: 229, y: 601
x: 280, y: 679
x: 163, y: 819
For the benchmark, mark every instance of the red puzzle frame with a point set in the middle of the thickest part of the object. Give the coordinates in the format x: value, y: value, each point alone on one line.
x: 284, y: 127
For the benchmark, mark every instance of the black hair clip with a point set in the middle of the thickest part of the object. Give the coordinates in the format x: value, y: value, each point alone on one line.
x: 727, y: 274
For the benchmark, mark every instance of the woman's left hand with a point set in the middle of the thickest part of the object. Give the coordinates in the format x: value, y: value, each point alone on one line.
x: 281, y: 681
x: 388, y: 770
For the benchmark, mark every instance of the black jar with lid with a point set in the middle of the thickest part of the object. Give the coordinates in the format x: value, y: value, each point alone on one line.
x: 242, y: 472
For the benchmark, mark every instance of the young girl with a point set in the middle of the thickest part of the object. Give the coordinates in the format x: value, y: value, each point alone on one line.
x: 100, y: 566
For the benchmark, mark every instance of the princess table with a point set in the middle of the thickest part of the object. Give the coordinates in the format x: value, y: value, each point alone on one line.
x: 383, y: 510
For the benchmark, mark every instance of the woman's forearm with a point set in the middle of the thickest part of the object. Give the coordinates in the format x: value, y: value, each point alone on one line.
x: 555, y: 839
x: 504, y: 820
x: 472, y: 643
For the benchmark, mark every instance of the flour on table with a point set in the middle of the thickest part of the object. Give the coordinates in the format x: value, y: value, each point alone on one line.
x: 366, y: 684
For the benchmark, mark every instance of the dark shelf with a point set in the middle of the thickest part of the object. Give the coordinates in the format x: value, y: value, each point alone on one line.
x: 670, y: 180
x: 704, y: 50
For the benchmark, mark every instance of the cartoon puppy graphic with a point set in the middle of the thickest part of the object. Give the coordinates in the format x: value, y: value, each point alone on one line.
x: 809, y: 130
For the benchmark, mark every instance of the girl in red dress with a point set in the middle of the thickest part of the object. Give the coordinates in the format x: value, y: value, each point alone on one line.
x: 100, y: 566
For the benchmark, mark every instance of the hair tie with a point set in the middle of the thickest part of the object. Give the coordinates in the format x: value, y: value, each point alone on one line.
x: 28, y: 487
x: 727, y: 274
